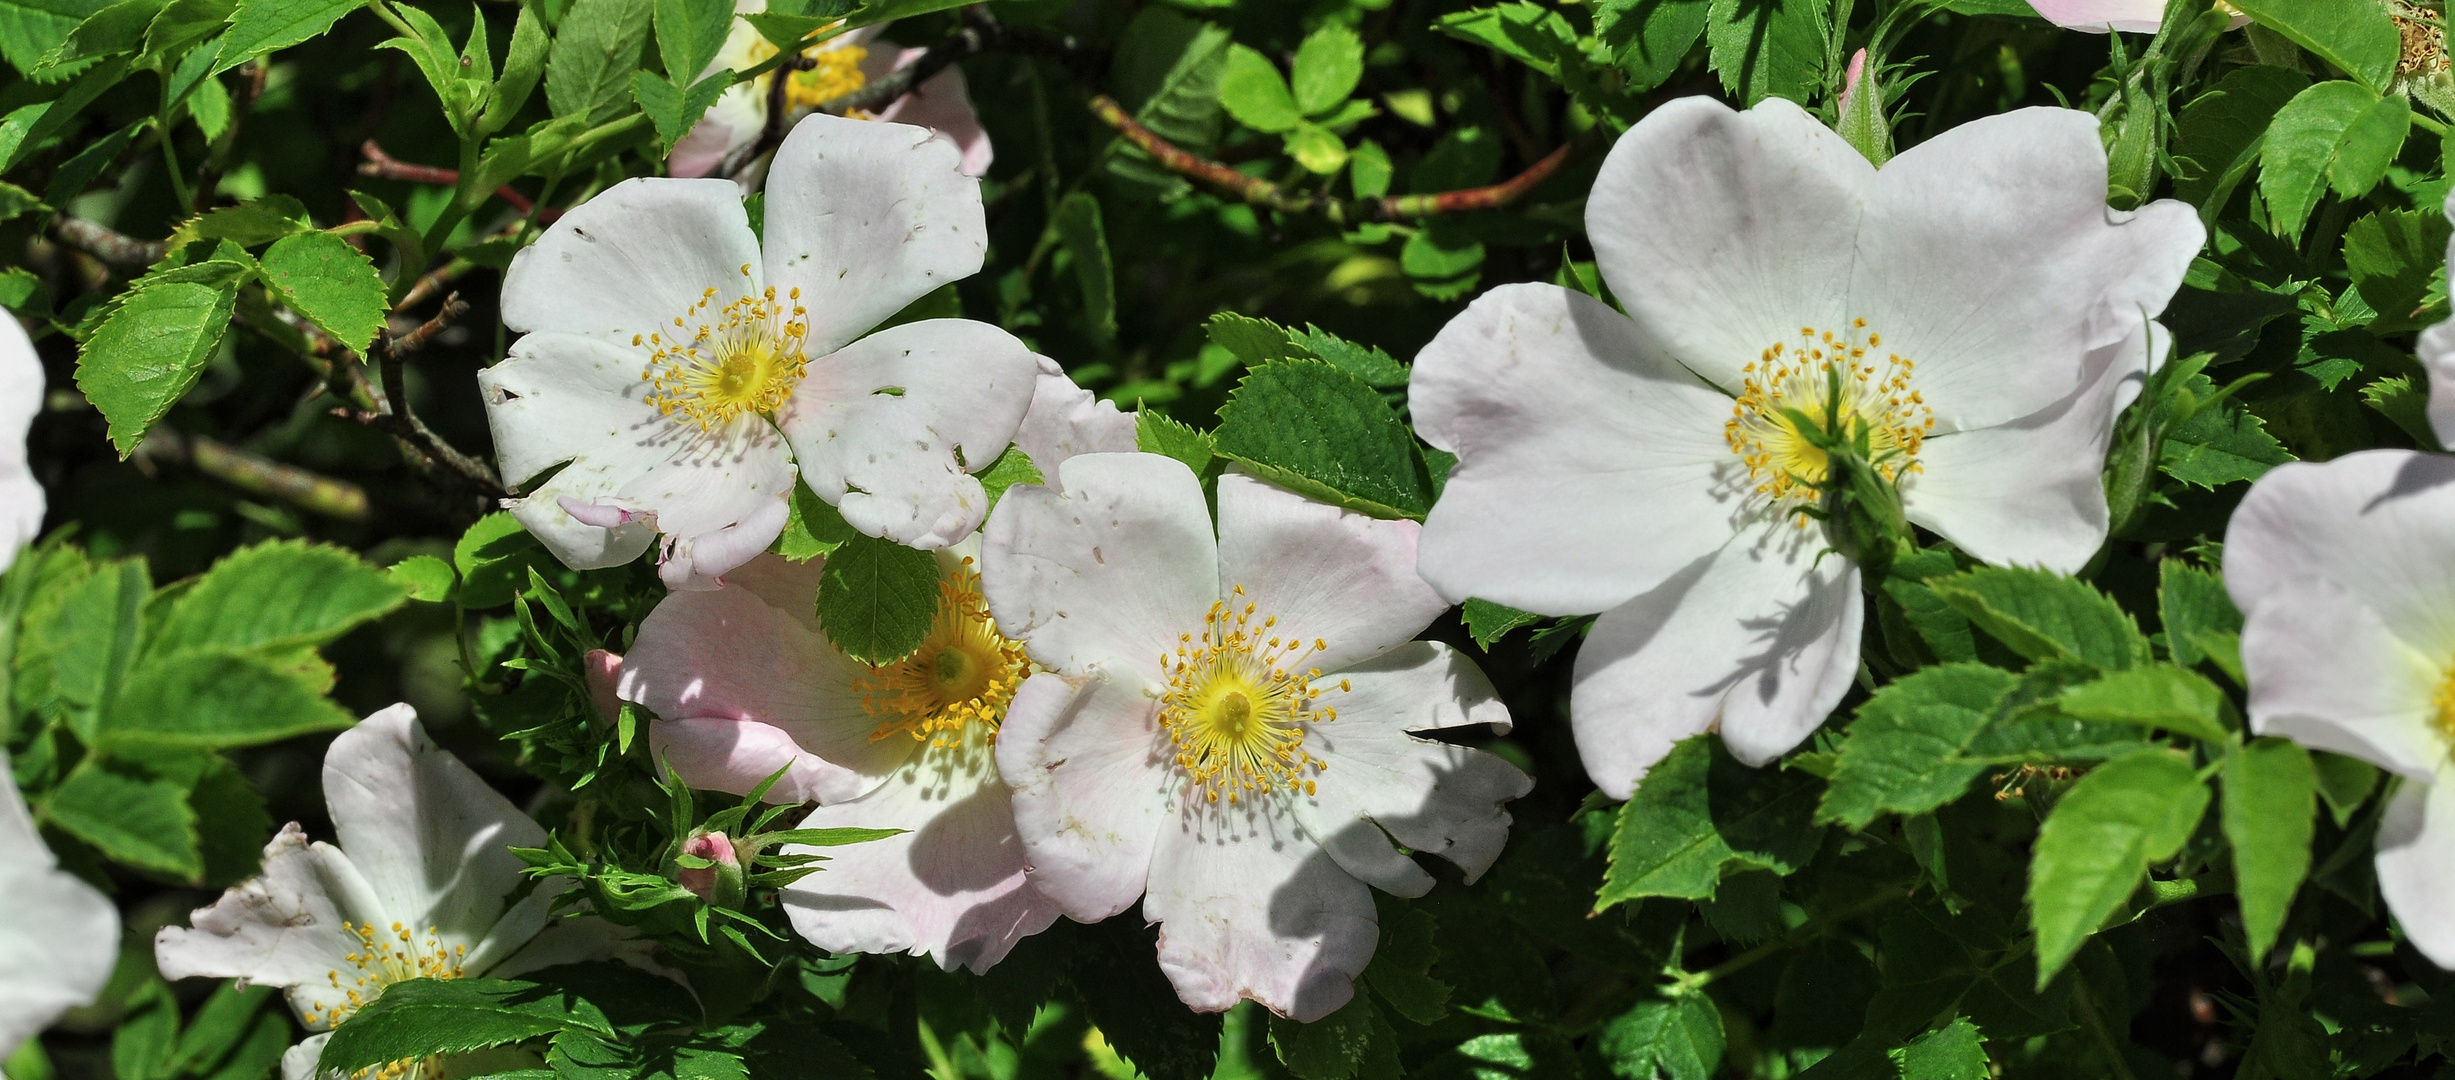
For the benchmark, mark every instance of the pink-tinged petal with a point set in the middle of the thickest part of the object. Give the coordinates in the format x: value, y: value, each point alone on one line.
x: 1759, y: 638
x: 562, y: 398
x: 1110, y: 573
x: 2326, y: 672
x: 1327, y: 575
x: 21, y: 397
x: 2100, y: 16
x: 282, y: 928
x: 1723, y: 232
x: 430, y: 837
x: 604, y: 671
x: 1988, y: 258
x: 1065, y: 420
x: 60, y: 938
x: 634, y: 258
x: 1093, y: 781
x: 2416, y: 864
x: 2032, y: 492
x: 950, y: 888
x: 943, y: 105
x: 744, y: 688
x: 1383, y: 783
x: 889, y: 429
x: 866, y: 217
x: 2375, y: 523
x: 780, y: 583
x: 1589, y: 464
x: 729, y: 127
x: 700, y: 562
x: 1252, y: 909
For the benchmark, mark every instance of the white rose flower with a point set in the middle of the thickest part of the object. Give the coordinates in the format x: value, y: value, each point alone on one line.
x: 670, y: 360
x: 2347, y: 591
x: 1979, y: 311
x: 417, y: 888
x: 60, y: 938
x: 2437, y: 349
x: 21, y: 397
x: 1227, y: 731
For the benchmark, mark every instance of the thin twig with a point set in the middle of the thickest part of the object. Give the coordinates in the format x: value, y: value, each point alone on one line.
x: 1265, y: 194
x: 393, y: 413
x: 254, y: 473
x: 101, y: 242
x: 381, y: 164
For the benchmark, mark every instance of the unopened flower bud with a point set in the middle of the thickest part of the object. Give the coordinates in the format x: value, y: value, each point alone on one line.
x: 720, y: 882
x: 604, y: 671
x: 1861, y: 120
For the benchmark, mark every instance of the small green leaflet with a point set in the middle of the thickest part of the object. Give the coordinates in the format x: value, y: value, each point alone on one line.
x: 424, y: 578
x: 132, y: 815
x: 2217, y: 137
x: 2356, y: 37
x: 1328, y: 65
x: 2043, y: 615
x: 421, y: 1017
x: 877, y: 599
x: 1311, y: 427
x: 2270, y: 812
x: 2335, y: 134
x: 275, y: 595
x: 1700, y: 813
x: 1767, y: 50
x: 1254, y: 92
x: 2099, y: 841
x: 1677, y: 1037
x: 1401, y: 969
x: 1950, y: 1053
x: 148, y: 353
x: 673, y: 109
x: 595, y: 51
x: 2158, y: 696
x: 215, y: 700
x: 2220, y: 444
x: 812, y: 528
x: 262, y: 26
x: 1155, y: 433
x: 1488, y: 622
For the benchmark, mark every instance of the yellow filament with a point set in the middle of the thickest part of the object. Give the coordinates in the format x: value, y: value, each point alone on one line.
x: 1239, y: 703
x: 964, y: 672
x: 720, y: 363
x: 1876, y: 400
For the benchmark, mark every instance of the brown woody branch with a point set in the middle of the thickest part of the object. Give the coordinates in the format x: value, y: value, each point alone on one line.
x: 392, y: 413
x: 102, y: 242
x: 381, y: 164
x: 254, y: 473
x: 1271, y: 196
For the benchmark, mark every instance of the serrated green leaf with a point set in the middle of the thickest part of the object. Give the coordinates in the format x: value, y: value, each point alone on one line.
x: 148, y: 353
x: 279, y: 594
x: 322, y: 277
x: 1903, y: 753
x: 1311, y: 427
x: 222, y: 1026
x: 80, y: 636
x: 1487, y: 622
x: 1366, y: 362
x: 2099, y: 841
x: 1369, y: 170
x: 1328, y: 65
x: 130, y: 814
x: 119, y: 28
x: 2393, y: 256
x: 2218, y: 445
x: 31, y: 29
x: 2157, y: 696
x: 232, y: 823
x: 595, y: 51
x: 1401, y: 969
x: 1649, y: 38
x: 1316, y: 148
x: 1253, y: 92
x: 262, y: 26
x: 422, y: 1017
x: 1528, y: 33
x: 1085, y: 238
x: 424, y: 578
x: 1699, y: 813
x: 2344, y: 782
x: 1953, y: 1052
x: 493, y: 559
x: 2270, y: 813
x: 1011, y: 467
x: 675, y: 110
x: 2191, y: 601
x: 689, y: 33
x: 1167, y: 71
x: 2357, y: 37
x: 2335, y: 134
x: 812, y: 528
x: 249, y: 224
x: 2217, y: 137
x: 2043, y: 615
x: 1676, y: 1037
x: 1155, y: 433
x: 1765, y: 50
x: 877, y: 598
x: 215, y: 700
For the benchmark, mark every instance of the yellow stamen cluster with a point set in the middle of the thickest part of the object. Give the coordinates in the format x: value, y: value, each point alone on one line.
x: 964, y: 673
x: 833, y: 72
x: 381, y: 959
x: 719, y: 363
x: 1876, y: 400
x: 1239, y: 703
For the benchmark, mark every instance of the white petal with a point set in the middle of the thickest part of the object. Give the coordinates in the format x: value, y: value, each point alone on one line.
x: 701, y: 562
x: 60, y: 938
x: 577, y: 939
x: 563, y: 398
x: 943, y: 104
x: 744, y: 685
x: 1108, y: 575
x: 2375, y: 523
x: 1326, y: 574
x: 1587, y: 460
x: 2032, y: 492
x: 1260, y: 914
x: 430, y: 837
x: 634, y: 258
x: 1065, y: 420
x: 21, y: 397
x: 2100, y: 16
x: 1989, y: 258
x: 1758, y: 638
x: 1093, y: 781
x: 709, y: 481
x: 1724, y: 232
x: 889, y: 428
x: 2326, y: 672
x: 298, y: 1062
x: 1383, y: 783
x: 2416, y: 864
x: 950, y: 888
x: 866, y: 217
x: 282, y: 928
x: 2437, y: 350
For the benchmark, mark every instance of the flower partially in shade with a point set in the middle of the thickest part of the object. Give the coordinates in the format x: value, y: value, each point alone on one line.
x: 2128, y: 16
x: 725, y: 138
x: 1227, y: 731
x: 1972, y: 314
x: 745, y: 684
x: 60, y: 936
x: 681, y: 372
x: 419, y: 887
x: 21, y: 397
x: 2347, y: 591
x: 2437, y: 352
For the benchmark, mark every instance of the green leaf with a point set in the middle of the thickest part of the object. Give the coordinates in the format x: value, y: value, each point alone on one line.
x: 130, y: 814
x: 2334, y: 134
x: 147, y: 1035
x: 1677, y: 1037
x: 2217, y: 137
x: 424, y: 578
x: 812, y: 528
x: 421, y: 1017
x: 2393, y: 256
x: 144, y: 358
x: 1368, y: 170
x: 80, y: 636
x: 2270, y: 813
x: 1488, y: 622
x: 1252, y: 90
x: 2357, y: 37
x: 249, y: 224
x: 222, y: 1026
x: 1527, y: 33
x: 1354, y: 1043
x: 1155, y: 433
x: 231, y: 823
x: 2345, y: 782
x: 493, y: 559
x: 689, y: 33
x: 1953, y: 1052
x: 1366, y: 362
x: 1316, y: 148
x: 262, y: 26
x: 877, y: 598
x: 1649, y: 38
x: 2191, y: 601
x: 2043, y: 615
x: 595, y: 50
x: 276, y: 595
x: 1700, y: 813
x: 1328, y: 65
x: 673, y: 109
x: 2099, y: 841
x: 1904, y: 752
x: 522, y: 67
x: 31, y: 29
x: 1167, y: 70
x: 215, y: 700
x: 1011, y: 467
x: 1310, y: 427
x: 2218, y: 445
x: 119, y: 28
x: 1136, y: 1009
x: 1085, y: 238
x: 2155, y: 696
x: 1401, y: 969
x: 1763, y: 50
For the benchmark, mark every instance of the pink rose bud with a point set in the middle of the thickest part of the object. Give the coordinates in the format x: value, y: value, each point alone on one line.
x: 721, y: 884
x: 604, y: 673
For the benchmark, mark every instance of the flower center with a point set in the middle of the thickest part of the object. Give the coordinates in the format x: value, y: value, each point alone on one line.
x: 717, y: 364
x: 384, y: 958
x: 1237, y: 706
x: 1795, y: 400
x: 964, y: 671
x: 833, y: 73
